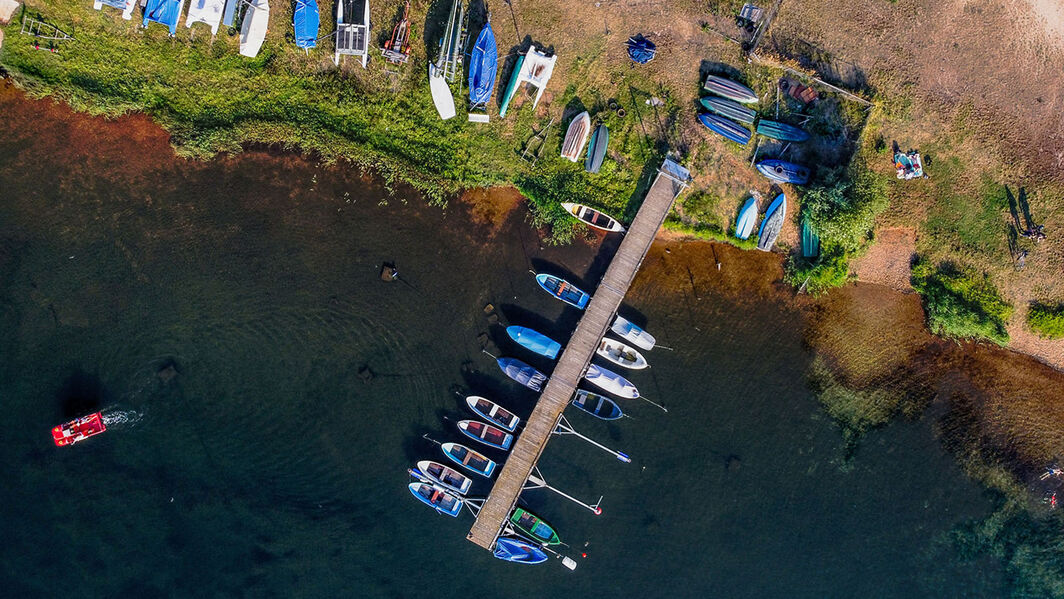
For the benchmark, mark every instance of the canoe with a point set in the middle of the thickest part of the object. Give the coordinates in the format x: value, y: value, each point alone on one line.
x: 730, y: 89
x: 492, y: 412
x: 511, y: 87
x: 573, y: 145
x: 483, y: 65
x: 621, y: 354
x: 533, y: 526
x: 436, y: 498
x: 744, y: 226
x: 486, y: 434
x: 629, y: 332
x: 522, y: 373
x: 810, y: 240
x: 253, y: 28
x: 729, y: 109
x: 563, y: 290
x: 596, y: 149
x: 441, y: 93
x: 534, y: 68
x: 445, y: 477
x: 773, y: 222
x: 597, y: 405
x: 520, y: 552
x: 534, y: 341
x: 305, y: 21
x: 593, y: 218
x: 727, y: 129
x: 781, y: 131
x: 469, y: 459
x: 608, y: 380
x: 784, y: 172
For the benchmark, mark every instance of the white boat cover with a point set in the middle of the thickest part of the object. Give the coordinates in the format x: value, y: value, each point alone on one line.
x: 253, y: 29
x: 126, y: 6
x: 205, y: 11
x: 537, y: 70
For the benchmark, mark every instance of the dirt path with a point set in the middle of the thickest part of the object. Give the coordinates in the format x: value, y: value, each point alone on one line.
x: 889, y: 259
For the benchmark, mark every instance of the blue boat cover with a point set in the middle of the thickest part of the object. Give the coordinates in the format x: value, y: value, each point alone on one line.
x: 166, y: 12
x: 534, y: 341
x: 119, y: 4
x: 640, y: 49
x: 513, y: 550
x: 523, y: 373
x: 305, y: 21
x: 483, y: 65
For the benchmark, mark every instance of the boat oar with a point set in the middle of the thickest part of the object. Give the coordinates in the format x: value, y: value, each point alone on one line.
x: 484, y: 351
x: 664, y: 347
x: 663, y: 408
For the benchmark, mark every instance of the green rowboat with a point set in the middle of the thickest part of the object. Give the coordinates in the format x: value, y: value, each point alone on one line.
x: 536, y: 529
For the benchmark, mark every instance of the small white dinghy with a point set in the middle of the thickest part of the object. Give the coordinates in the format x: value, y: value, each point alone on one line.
x: 593, y: 218
x: 445, y: 477
x: 621, y: 354
x: 610, y: 381
x: 493, y: 412
x: 629, y: 332
x: 253, y: 29
x: 576, y: 137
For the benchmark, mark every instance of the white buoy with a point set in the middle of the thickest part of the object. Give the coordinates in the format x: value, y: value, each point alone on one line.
x: 569, y: 562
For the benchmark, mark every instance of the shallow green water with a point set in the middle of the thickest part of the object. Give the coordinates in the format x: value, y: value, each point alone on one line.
x: 268, y: 467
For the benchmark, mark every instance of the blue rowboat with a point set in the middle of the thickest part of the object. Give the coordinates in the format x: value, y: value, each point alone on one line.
x: 469, y: 459
x: 518, y: 551
x: 492, y: 412
x: 608, y: 380
x: 784, y: 172
x: 563, y: 290
x: 597, y: 405
x: 486, y: 434
x: 534, y: 342
x: 484, y: 63
x: 449, y: 479
x: 730, y: 89
x: 730, y: 109
x: 781, y: 131
x: 522, y: 373
x: 436, y: 498
x: 305, y: 20
x: 727, y: 129
x: 747, y: 218
x: 773, y: 222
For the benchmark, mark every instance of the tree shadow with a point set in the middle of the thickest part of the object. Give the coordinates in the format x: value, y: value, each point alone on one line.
x: 435, y: 23
x: 721, y: 69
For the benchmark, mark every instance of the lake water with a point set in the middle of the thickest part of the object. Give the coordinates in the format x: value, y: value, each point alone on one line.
x: 268, y: 466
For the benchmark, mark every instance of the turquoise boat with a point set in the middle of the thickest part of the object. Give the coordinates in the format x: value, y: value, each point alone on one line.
x: 781, y: 131
x: 729, y: 109
x: 744, y: 226
x: 534, y: 342
x: 511, y: 88
x: 810, y: 240
x: 596, y: 150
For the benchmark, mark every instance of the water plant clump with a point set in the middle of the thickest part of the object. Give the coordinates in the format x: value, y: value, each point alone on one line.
x: 961, y: 303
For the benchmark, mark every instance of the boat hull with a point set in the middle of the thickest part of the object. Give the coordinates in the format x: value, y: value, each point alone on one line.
x: 772, y: 224
x: 621, y: 354
x: 784, y: 172
x: 436, y: 498
x: 596, y: 150
x: 78, y: 429
x: 511, y: 87
x: 624, y: 329
x: 491, y: 436
x: 727, y: 129
x: 593, y: 218
x: 597, y: 405
x: 441, y: 93
x: 729, y: 109
x: 253, y: 28
x: 744, y: 226
x: 450, y: 479
x: 492, y: 412
x: 484, y: 63
x: 810, y: 240
x: 611, y: 382
x: 781, y: 131
x: 730, y: 89
x: 473, y: 461
x: 563, y: 290
x: 534, y: 341
x: 576, y: 136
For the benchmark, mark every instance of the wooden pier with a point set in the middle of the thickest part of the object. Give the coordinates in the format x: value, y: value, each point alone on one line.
x: 670, y: 182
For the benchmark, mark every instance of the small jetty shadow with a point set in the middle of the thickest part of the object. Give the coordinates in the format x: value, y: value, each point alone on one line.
x: 521, y: 316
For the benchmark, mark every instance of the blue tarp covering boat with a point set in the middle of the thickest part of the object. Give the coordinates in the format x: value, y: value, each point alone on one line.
x: 640, y: 49
x: 518, y: 551
x: 165, y: 12
x: 523, y: 373
x: 534, y: 341
x: 306, y: 20
x: 483, y: 65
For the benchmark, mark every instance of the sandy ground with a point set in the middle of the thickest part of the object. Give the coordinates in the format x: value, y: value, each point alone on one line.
x: 888, y: 261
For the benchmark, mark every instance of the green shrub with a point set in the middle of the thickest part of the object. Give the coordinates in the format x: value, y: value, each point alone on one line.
x: 844, y: 205
x: 1047, y: 319
x: 828, y: 270
x: 961, y: 303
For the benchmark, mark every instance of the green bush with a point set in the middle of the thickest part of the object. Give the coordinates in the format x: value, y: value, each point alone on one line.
x: 828, y: 270
x: 960, y: 303
x: 844, y: 205
x: 1047, y: 319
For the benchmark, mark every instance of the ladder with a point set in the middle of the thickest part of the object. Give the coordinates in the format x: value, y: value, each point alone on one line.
x: 42, y: 30
x: 532, y: 149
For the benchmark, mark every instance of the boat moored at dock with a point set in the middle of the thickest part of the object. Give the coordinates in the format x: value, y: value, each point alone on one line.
x: 621, y: 354
x: 533, y: 526
x: 487, y: 434
x: 607, y: 380
x: 593, y: 218
x: 597, y: 405
x: 492, y: 412
x: 437, y: 498
x: 563, y: 290
x: 445, y: 477
x: 470, y: 460
x: 516, y: 550
x: 624, y: 329
x: 534, y: 341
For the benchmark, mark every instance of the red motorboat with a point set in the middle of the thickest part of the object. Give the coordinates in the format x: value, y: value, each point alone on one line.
x: 78, y: 429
